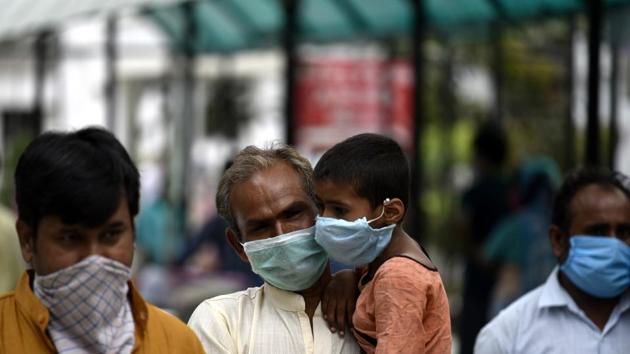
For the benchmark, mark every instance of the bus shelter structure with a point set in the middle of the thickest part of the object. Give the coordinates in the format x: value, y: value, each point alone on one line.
x: 225, y: 26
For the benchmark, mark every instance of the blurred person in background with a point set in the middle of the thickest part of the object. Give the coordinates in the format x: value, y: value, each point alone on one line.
x: 176, y: 273
x: 11, y: 263
x: 267, y: 198
x: 584, y: 306
x: 484, y: 204
x: 159, y: 235
x: 77, y: 194
x: 209, y: 251
x: 518, y: 245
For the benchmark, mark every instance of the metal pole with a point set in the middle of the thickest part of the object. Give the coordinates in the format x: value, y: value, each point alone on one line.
x: 289, y: 40
x: 498, y: 63
x: 614, y: 91
x: 111, y: 54
x: 449, y: 110
x: 40, y: 50
x: 595, y: 14
x: 417, y: 217
x: 187, y: 119
x: 449, y: 101
x: 569, y: 126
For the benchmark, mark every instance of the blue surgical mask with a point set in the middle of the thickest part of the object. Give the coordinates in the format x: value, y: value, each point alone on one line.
x: 352, y: 242
x: 292, y: 261
x: 598, y: 265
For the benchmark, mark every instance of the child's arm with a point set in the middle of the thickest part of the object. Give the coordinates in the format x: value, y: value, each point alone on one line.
x: 339, y: 299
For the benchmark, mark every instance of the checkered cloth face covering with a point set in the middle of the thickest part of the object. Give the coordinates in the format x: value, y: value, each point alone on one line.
x: 89, y: 310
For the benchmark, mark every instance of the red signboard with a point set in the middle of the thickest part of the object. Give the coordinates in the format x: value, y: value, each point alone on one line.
x: 340, y: 97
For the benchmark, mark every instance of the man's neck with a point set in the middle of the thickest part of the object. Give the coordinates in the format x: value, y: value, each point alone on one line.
x: 596, y: 309
x: 313, y: 295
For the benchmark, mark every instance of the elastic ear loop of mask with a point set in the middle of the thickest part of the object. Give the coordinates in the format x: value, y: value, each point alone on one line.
x: 385, y: 203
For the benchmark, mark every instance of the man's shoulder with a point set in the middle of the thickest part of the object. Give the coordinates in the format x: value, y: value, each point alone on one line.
x: 7, y: 297
x: 157, y: 314
x: 407, y: 270
x: 168, y: 333
x: 170, y: 326
x: 229, y: 304
x: 217, y: 320
x: 232, y: 299
x: 158, y: 317
x: 502, y: 330
x: 521, y: 309
x: 7, y: 303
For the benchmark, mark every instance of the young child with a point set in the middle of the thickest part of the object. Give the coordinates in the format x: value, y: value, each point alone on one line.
x: 362, y: 184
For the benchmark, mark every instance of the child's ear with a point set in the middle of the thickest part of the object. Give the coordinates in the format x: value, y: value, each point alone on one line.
x: 394, y: 210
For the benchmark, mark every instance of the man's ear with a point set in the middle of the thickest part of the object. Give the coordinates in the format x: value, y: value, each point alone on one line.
x: 559, y: 242
x: 394, y: 210
x: 27, y: 240
x: 235, y: 243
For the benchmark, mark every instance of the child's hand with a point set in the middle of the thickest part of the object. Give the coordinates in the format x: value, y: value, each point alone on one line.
x: 339, y: 300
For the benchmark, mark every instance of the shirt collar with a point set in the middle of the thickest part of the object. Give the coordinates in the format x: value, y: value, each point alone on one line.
x: 285, y: 300
x: 138, y: 308
x: 624, y: 302
x: 30, y: 304
x: 554, y: 295
x: 140, y: 313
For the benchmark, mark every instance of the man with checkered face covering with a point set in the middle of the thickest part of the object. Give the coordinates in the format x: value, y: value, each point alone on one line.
x: 77, y: 194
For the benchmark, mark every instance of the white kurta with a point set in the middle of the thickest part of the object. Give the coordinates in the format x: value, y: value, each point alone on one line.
x: 265, y: 320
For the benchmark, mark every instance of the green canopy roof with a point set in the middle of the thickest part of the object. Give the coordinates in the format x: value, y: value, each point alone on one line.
x: 230, y: 25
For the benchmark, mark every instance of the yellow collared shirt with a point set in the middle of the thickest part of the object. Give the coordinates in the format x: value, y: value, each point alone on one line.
x: 24, y: 319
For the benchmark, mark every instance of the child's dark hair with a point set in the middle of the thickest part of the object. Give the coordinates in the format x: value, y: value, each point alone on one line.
x: 79, y: 176
x: 373, y: 164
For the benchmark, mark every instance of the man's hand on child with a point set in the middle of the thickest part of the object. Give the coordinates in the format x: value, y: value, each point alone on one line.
x: 339, y: 300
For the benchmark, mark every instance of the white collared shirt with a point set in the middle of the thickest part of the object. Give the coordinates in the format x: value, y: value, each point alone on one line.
x: 547, y: 320
x: 265, y: 320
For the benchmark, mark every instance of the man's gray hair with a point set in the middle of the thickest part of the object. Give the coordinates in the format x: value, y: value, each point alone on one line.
x: 251, y: 160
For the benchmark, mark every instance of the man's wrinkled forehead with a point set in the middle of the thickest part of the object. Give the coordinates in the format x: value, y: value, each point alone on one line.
x: 268, y: 191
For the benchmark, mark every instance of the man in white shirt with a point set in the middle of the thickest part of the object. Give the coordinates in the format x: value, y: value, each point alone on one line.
x: 584, y: 306
x: 268, y: 200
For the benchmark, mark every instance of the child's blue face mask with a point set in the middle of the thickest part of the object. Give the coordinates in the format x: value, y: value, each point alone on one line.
x: 292, y: 261
x: 352, y: 242
x: 599, y: 266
